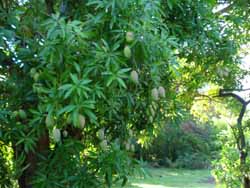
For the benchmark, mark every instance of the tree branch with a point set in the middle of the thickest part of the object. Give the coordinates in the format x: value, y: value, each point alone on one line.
x: 205, y: 97
x: 242, y: 112
x: 222, y: 94
x: 246, y: 89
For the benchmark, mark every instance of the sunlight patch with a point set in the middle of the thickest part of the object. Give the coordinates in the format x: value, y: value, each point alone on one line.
x: 150, y: 186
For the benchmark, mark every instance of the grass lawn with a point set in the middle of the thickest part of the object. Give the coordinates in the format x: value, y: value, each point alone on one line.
x: 174, y: 178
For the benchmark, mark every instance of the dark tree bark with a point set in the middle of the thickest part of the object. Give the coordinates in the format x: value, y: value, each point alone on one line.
x: 246, y: 182
x: 42, y: 147
x: 50, y: 6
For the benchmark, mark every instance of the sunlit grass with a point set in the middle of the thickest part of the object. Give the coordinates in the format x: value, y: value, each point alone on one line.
x: 174, y: 178
x: 150, y: 186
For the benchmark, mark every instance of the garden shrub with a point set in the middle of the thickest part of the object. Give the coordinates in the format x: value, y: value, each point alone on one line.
x: 227, y: 168
x: 186, y: 145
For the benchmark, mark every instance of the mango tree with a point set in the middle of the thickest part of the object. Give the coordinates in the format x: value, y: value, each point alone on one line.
x: 79, y: 79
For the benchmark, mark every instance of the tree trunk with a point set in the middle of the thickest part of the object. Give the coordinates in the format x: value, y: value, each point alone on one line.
x: 31, y: 160
x: 246, y: 182
x: 242, y: 145
x: 21, y: 181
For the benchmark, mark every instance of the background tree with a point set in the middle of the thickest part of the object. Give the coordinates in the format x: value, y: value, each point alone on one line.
x: 240, y: 135
x: 231, y: 167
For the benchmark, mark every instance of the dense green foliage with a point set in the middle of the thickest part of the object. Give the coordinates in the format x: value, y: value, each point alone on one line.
x: 184, y: 145
x: 230, y: 167
x: 230, y: 117
x: 5, y: 171
x: 79, y: 80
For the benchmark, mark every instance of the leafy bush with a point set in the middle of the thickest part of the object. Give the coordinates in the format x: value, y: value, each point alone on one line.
x: 227, y: 168
x: 186, y: 145
x: 6, y: 175
x: 71, y: 170
x: 192, y: 161
x: 4, y: 180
